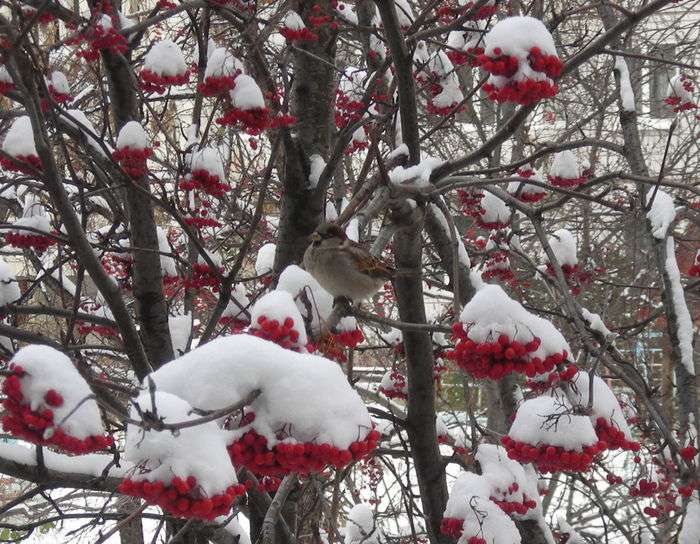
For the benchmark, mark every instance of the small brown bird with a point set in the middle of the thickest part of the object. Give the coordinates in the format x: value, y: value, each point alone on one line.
x: 344, y: 268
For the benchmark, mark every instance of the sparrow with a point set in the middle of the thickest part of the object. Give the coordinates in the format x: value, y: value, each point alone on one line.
x: 344, y: 268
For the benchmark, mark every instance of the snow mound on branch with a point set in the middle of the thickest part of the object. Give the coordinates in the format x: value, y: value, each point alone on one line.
x: 662, y: 212
x: 265, y: 259
x: 484, y: 519
x: 686, y: 330
x: 563, y: 245
x: 165, y: 59
x: 293, y: 21
x: 565, y: 165
x: 246, y: 95
x: 690, y: 530
x: 502, y: 471
x: 133, y: 136
x: 595, y: 322
x: 34, y: 215
x: 491, y: 312
x: 209, y: 160
x: 317, y: 164
x: 59, y: 82
x: 605, y: 402
x: 495, y: 210
x: 19, y: 140
x: 167, y: 263
x: 548, y: 420
x: 279, y: 305
x: 304, y: 393
x: 465, y: 486
x: 302, y: 285
x: 9, y: 290
x: 48, y: 369
x: 361, y: 527
x: 222, y: 63
x: 515, y: 36
x: 417, y: 176
x: 347, y: 13
x: 393, y: 337
x: 404, y: 13
x: 462, y: 254
x: 626, y: 91
x: 198, y: 451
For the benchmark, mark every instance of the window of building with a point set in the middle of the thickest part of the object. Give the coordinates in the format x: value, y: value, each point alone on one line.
x: 659, y: 76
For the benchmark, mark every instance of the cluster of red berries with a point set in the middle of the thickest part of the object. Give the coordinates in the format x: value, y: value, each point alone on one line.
x: 660, y: 510
x: 182, y: 498
x: 688, y: 453
x: 500, y: 357
x: 694, y: 270
x: 59, y: 97
x: 283, y: 334
x: 347, y: 111
x: 251, y: 451
x: 559, y: 181
x: 38, y: 427
x: 498, y: 266
x: 677, y: 101
x: 133, y: 160
x: 25, y: 164
x: 119, y: 267
x: 446, y: 14
x: 514, y: 507
x: 614, y: 438
x: 524, y: 91
x: 333, y: 345
x: 199, y: 218
x: 478, y: 215
x: 37, y: 242
x: 459, y: 58
x: 469, y: 199
x: 553, y: 458
x: 318, y: 19
x: 6, y: 87
x: 203, y: 275
x: 613, y: 479
x: 355, y: 146
x: 452, y: 527
x: 207, y: 182
x: 298, y: 35
x: 644, y: 488
x: 540, y: 386
x: 397, y: 390
x: 100, y: 38
x: 150, y: 82
x: 269, y: 484
x: 687, y: 490
x: 254, y: 121
x: 216, y: 85
x: 104, y: 331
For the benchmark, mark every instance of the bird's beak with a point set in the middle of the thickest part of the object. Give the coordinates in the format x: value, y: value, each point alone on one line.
x: 315, y: 237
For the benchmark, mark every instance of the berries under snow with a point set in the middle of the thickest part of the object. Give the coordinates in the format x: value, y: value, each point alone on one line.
x: 133, y: 149
x: 164, y: 66
x: 19, y: 145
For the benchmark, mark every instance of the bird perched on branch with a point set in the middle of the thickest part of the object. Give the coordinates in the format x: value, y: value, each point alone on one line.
x: 344, y: 268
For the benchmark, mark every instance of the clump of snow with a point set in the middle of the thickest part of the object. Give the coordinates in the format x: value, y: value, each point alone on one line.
x: 563, y: 245
x: 393, y: 337
x: 465, y: 486
x: 346, y: 12
x: 595, y: 322
x: 626, y: 91
x: 238, y: 305
x: 9, y: 289
x: 493, y: 210
x: 19, y: 140
x: 132, y: 136
x: 302, y: 394
x: 661, y: 213
x: 502, y: 472
x: 246, y: 95
x: 265, y: 259
x: 165, y: 59
x: 279, y: 305
x: 167, y: 263
x: 690, y: 530
x: 548, y: 420
x: 361, y: 527
x: 565, y: 165
x: 565, y: 528
x: 209, y: 160
x: 316, y: 166
x: 34, y: 215
x: 484, y: 519
x: 198, y: 451
x: 685, y: 321
x: 293, y: 21
x: 418, y: 176
x: 222, y: 63
x: 515, y: 36
x: 59, y: 82
x: 180, y: 331
x: 48, y: 369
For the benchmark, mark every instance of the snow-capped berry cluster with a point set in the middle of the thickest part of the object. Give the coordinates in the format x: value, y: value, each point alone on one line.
x: 527, y: 192
x: 101, y: 35
x: 246, y: 107
x: 19, y: 145
x: 236, y: 315
x: 36, y: 218
x: 252, y: 451
x: 206, y: 173
x: 545, y: 382
x: 59, y: 88
x: 220, y: 75
x: 133, y: 149
x: 275, y: 317
x: 694, y: 270
x: 547, y: 434
x: 436, y: 73
x: 521, y: 57
x: 465, y: 45
x: 394, y: 385
x: 469, y: 200
x: 49, y: 403
x: 203, y: 274
x: 294, y: 29
x: 492, y: 213
x: 164, y: 66
x: 681, y: 89
x: 565, y: 170
x: 199, y: 216
x: 188, y: 473
x: 6, y: 83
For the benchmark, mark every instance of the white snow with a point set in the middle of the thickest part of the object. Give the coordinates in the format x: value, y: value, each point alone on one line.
x: 5, y: 75
x: 34, y: 215
x: 690, y: 530
x: 465, y: 486
x: 133, y: 136
x: 404, y: 13
x: 19, y: 140
x: 683, y: 318
x: 346, y: 12
x: 361, y: 527
x: 417, y: 176
x: 167, y: 263
x: 59, y: 82
x: 501, y: 472
x: 393, y: 336
x: 662, y: 212
x: 548, y: 420
x: 462, y: 254
x: 222, y: 63
x: 78, y: 120
x: 180, y: 330
x: 293, y: 21
x: 265, y: 259
x: 675, y: 88
x: 316, y: 166
x: 198, y: 451
x: 208, y: 159
x: 595, y: 322
x: 279, y: 305
x: 246, y: 95
x: 485, y: 519
x: 563, y: 245
x: 238, y: 304
x: 626, y: 91
x: 47, y: 368
x: 495, y: 210
x: 9, y: 289
x: 165, y: 59
x: 565, y: 165
x: 306, y: 394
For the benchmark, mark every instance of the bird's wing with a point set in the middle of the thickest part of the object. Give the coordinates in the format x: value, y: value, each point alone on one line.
x: 367, y: 264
